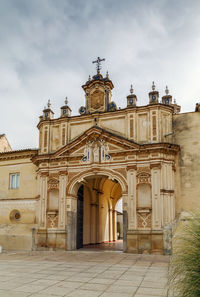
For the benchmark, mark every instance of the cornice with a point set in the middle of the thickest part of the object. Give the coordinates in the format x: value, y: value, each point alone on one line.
x: 125, y: 110
x: 130, y: 147
x: 18, y: 154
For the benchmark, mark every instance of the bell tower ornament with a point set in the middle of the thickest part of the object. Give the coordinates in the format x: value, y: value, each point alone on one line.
x: 153, y: 95
x: 167, y: 99
x: 98, y: 92
x: 131, y: 98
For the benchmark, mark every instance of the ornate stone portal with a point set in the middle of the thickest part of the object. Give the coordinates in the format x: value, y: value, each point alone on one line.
x: 86, y: 163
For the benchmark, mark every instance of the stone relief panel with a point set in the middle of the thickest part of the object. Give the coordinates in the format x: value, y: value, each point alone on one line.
x: 144, y: 219
x: 52, y: 220
x: 52, y: 202
x: 53, y: 184
x: 143, y: 175
x: 97, y: 99
x: 96, y: 152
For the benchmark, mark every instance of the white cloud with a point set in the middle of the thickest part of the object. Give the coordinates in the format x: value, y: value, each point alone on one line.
x: 47, y: 48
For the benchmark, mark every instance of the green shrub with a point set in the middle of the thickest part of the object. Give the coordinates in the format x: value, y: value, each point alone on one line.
x: 184, y: 269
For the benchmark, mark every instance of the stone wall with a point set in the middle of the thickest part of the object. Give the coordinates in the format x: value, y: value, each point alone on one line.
x: 186, y: 134
x: 19, y: 206
x: 4, y: 144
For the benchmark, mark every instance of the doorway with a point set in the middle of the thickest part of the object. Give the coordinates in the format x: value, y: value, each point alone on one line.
x: 99, y: 215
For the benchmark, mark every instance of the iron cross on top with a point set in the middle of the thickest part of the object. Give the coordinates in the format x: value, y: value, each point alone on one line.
x: 98, y: 61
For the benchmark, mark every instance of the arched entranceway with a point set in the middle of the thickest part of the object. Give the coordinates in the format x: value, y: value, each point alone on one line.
x: 97, y: 215
x: 102, y: 188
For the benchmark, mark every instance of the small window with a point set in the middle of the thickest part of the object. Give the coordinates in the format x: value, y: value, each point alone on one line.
x: 14, y: 180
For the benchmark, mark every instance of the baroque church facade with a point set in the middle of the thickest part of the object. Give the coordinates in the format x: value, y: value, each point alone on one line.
x: 63, y: 195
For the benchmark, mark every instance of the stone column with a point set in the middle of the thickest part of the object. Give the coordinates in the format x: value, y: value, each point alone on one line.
x: 71, y: 217
x: 100, y: 222
x: 110, y: 225
x: 114, y: 225
x: 125, y: 220
x: 93, y: 238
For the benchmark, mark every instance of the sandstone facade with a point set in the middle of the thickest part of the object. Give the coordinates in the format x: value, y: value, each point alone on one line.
x: 64, y: 194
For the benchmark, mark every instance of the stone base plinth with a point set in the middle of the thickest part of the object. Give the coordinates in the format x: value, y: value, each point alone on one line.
x: 145, y: 242
x: 50, y: 239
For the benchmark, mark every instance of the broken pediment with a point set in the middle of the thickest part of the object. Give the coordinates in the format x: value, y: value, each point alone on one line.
x: 96, y: 141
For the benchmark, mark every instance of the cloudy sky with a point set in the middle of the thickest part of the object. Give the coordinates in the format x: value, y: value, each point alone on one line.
x: 47, y: 48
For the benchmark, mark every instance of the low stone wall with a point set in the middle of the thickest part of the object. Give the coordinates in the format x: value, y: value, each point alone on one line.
x: 16, y: 237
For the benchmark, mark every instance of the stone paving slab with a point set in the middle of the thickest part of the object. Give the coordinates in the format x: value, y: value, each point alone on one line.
x: 82, y: 273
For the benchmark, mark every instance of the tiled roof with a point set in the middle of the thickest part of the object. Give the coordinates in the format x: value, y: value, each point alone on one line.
x: 20, y: 151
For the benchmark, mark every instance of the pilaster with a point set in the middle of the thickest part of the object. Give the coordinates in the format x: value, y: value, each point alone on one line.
x: 62, y: 191
x: 131, y: 176
x: 156, y: 201
x: 43, y: 199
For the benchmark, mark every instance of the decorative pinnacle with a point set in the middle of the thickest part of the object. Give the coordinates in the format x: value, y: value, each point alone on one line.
x: 131, y: 89
x: 66, y: 100
x: 89, y: 78
x: 107, y: 74
x: 153, y: 86
x: 49, y: 104
x: 167, y: 90
x: 174, y: 101
x: 98, y: 61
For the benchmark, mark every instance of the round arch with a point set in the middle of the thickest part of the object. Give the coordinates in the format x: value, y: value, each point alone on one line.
x: 72, y: 190
x: 74, y: 183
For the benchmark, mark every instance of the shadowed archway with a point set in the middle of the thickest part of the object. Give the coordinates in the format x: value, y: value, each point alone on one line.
x: 97, y: 214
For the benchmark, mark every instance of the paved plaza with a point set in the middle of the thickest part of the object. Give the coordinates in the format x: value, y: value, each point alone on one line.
x: 85, y: 273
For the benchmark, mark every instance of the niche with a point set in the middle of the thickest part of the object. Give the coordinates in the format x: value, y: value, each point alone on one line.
x: 53, y: 200
x: 144, y: 196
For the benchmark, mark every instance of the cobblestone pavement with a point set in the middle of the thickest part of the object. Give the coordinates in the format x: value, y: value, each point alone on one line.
x: 82, y: 274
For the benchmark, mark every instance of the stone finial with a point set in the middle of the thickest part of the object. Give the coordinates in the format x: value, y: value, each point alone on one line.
x: 153, y: 86
x: 174, y: 101
x: 89, y: 78
x: 66, y: 100
x: 167, y: 90
x: 131, y: 89
x: 49, y: 104
x: 107, y: 74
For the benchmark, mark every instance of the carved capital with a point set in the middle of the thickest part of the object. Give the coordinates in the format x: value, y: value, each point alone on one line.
x: 131, y: 167
x: 167, y: 191
x: 63, y: 172
x: 44, y: 174
x: 155, y: 165
x: 53, y: 184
